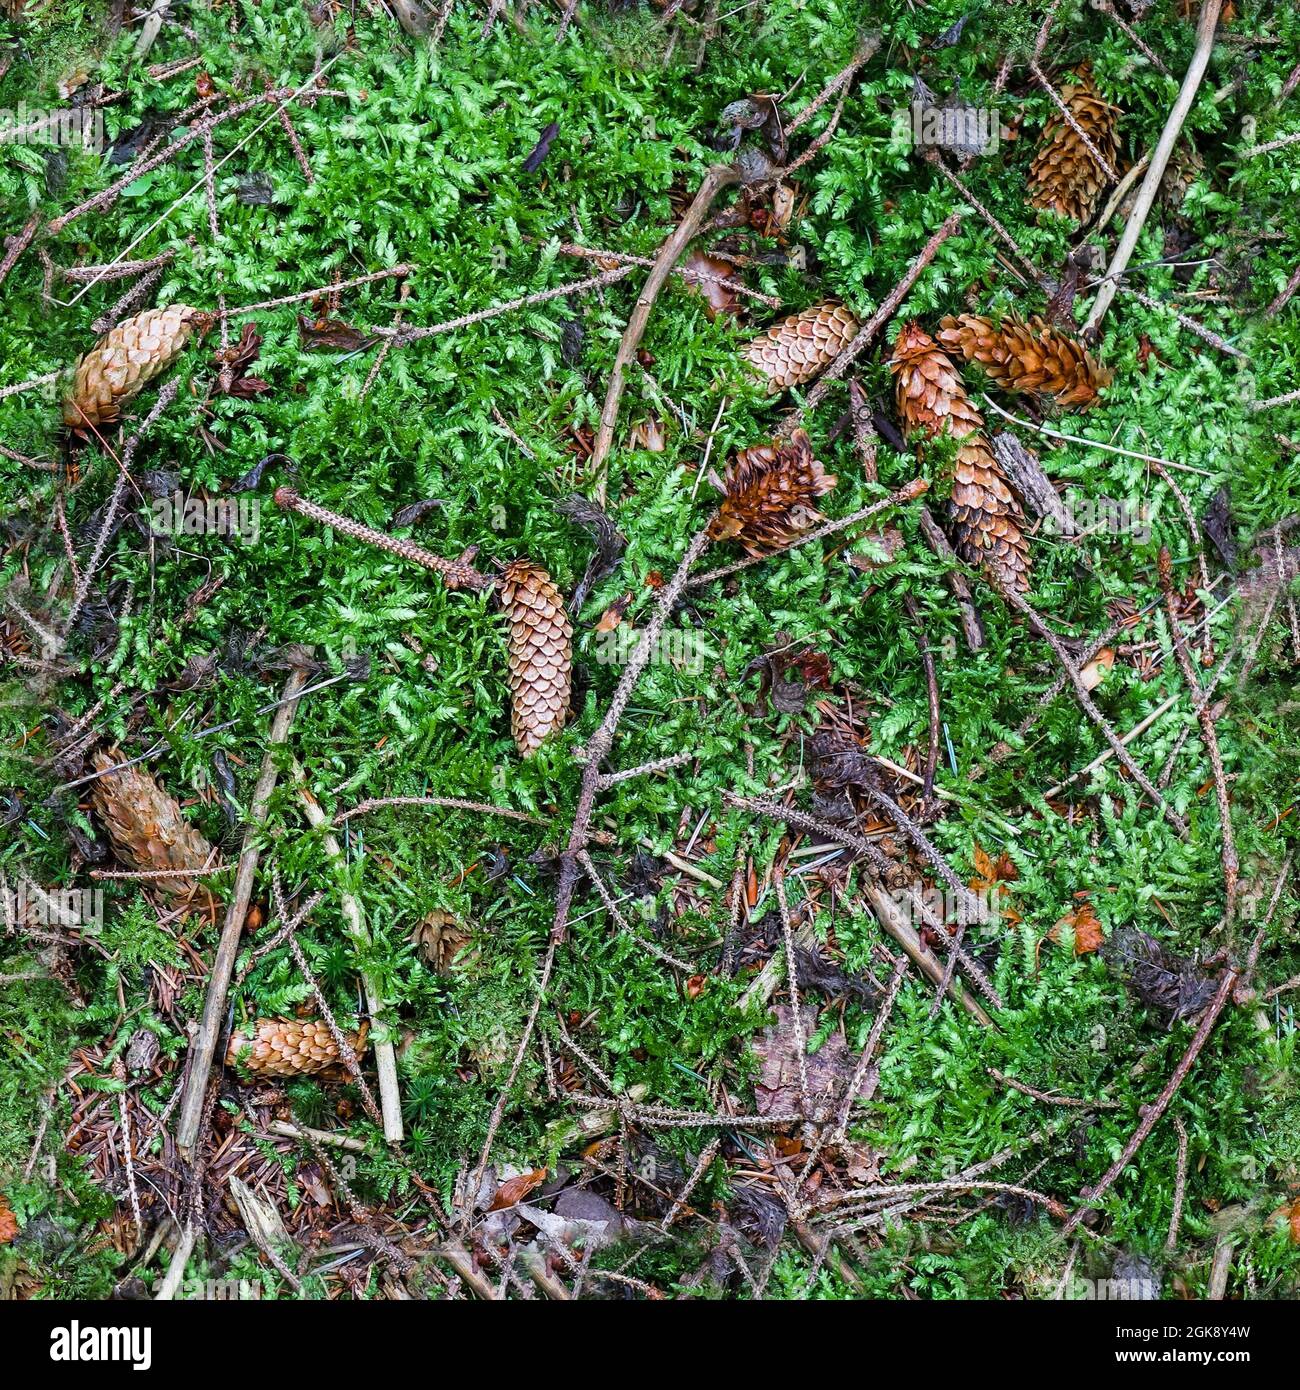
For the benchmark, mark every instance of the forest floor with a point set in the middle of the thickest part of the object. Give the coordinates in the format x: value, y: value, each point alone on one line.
x: 585, y: 1072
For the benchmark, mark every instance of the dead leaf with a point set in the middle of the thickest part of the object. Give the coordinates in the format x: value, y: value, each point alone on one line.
x: 613, y: 615
x: 649, y: 434
x: 331, y: 335
x: 1085, y: 925
x: 718, y: 298
x: 8, y: 1222
x: 1095, y: 671
x: 441, y: 940
x: 514, y: 1190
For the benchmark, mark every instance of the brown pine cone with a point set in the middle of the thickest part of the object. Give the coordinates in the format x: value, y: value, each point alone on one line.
x: 287, y: 1047
x: 540, y: 646
x: 148, y: 832
x: 123, y: 361
x: 987, y: 521
x: 1064, y: 175
x: 770, y: 491
x: 800, y: 347
x: 1034, y: 357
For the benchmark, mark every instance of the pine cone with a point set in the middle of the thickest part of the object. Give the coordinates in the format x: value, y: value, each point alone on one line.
x: 1064, y: 175
x: 1033, y: 357
x: 539, y: 654
x: 986, y: 518
x: 770, y: 491
x: 123, y: 361
x: 798, y: 348
x: 148, y: 832
x: 287, y: 1047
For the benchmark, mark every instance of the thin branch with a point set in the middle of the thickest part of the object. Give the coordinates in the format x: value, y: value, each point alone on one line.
x: 1146, y: 194
x: 1086, y: 703
x: 1151, y: 1114
x: 1227, y: 844
x: 718, y: 177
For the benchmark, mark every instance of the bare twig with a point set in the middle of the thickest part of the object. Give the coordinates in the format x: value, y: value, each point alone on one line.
x: 385, y: 1057
x: 203, y: 1049
x: 1180, y: 1188
x: 867, y: 333
x: 717, y: 178
x: 456, y: 574
x: 1146, y: 194
x: 1227, y: 844
x: 1152, y: 1114
x: 1086, y: 702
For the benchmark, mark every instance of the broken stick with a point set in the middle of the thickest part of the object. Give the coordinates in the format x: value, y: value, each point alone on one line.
x: 203, y: 1049
x: 390, y: 1101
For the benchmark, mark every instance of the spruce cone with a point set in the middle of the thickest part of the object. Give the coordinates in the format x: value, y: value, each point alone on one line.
x: 148, y: 832
x: 986, y: 518
x: 1064, y: 175
x: 287, y: 1047
x: 770, y: 491
x: 798, y: 348
x: 539, y: 654
x: 123, y: 361
x: 1033, y: 357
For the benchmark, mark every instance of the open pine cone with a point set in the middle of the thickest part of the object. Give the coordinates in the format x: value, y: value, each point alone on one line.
x: 1033, y: 357
x: 148, y: 832
x: 288, y: 1047
x: 770, y: 491
x: 124, y: 361
x: 540, y: 644
x: 802, y: 346
x: 987, y: 522
x: 1064, y: 175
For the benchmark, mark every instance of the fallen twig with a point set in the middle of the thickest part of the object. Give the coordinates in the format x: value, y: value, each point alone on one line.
x: 1151, y: 1114
x: 390, y: 1100
x: 1227, y: 844
x: 203, y: 1048
x: 1146, y: 194
x: 718, y: 177
x: 1086, y: 702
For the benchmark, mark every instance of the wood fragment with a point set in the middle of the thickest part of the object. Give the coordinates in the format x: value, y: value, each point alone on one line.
x: 718, y: 177
x: 390, y: 1100
x: 1146, y: 194
x: 204, y: 1047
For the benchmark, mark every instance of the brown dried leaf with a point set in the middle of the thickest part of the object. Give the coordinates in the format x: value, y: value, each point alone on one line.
x: 331, y: 335
x: 514, y: 1190
x: 8, y: 1222
x: 1095, y: 671
x: 718, y: 298
x: 1085, y: 925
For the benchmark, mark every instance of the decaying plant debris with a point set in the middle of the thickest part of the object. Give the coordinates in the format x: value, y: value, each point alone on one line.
x: 649, y: 651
